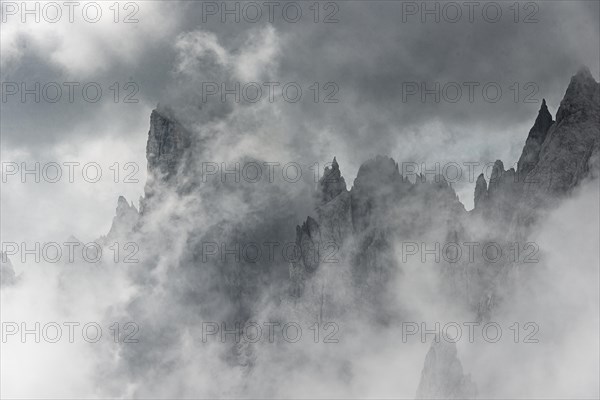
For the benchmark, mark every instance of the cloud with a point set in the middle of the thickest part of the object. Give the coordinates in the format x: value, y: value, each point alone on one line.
x: 369, y: 54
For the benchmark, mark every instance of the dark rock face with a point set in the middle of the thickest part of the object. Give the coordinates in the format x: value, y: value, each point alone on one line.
x: 442, y: 376
x: 501, y: 192
x: 377, y: 184
x: 124, y: 221
x: 309, y: 238
x: 7, y: 273
x: 535, y: 139
x: 364, y: 224
x: 480, y: 192
x: 167, y: 143
x: 580, y: 102
x: 332, y: 183
x: 308, y: 241
x: 556, y: 157
x: 570, y: 142
x: 167, y: 152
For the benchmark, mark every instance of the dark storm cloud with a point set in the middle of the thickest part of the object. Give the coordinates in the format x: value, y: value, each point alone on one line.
x: 371, y: 54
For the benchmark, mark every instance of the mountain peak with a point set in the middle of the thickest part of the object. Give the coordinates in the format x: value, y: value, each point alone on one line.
x: 480, y: 191
x: 581, y: 96
x: 122, y: 202
x: 124, y: 207
x: 167, y: 142
x: 583, y: 73
x: 332, y: 183
x: 535, y: 139
x: 568, y: 142
x: 125, y: 218
x: 542, y: 122
x: 377, y: 171
x: 583, y: 77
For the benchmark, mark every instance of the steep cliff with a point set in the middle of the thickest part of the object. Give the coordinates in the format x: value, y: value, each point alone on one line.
x: 557, y: 156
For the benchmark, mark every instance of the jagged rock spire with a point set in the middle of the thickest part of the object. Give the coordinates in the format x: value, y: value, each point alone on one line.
x: 332, y: 183
x: 335, y: 164
x: 497, y: 172
x: 167, y: 143
x: 564, y: 158
x: 535, y: 139
x: 442, y: 376
x: 543, y: 121
x: 480, y: 191
x: 125, y: 219
x: 124, y: 208
x: 556, y: 155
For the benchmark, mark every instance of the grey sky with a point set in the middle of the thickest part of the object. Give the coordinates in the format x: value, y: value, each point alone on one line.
x: 371, y: 55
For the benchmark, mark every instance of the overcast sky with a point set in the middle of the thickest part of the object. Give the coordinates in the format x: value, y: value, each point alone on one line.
x: 372, y: 57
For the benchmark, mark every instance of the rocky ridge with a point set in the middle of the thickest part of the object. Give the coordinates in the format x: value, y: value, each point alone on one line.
x: 366, y: 223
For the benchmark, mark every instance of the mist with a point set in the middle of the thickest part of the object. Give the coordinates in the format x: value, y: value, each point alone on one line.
x: 303, y: 249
